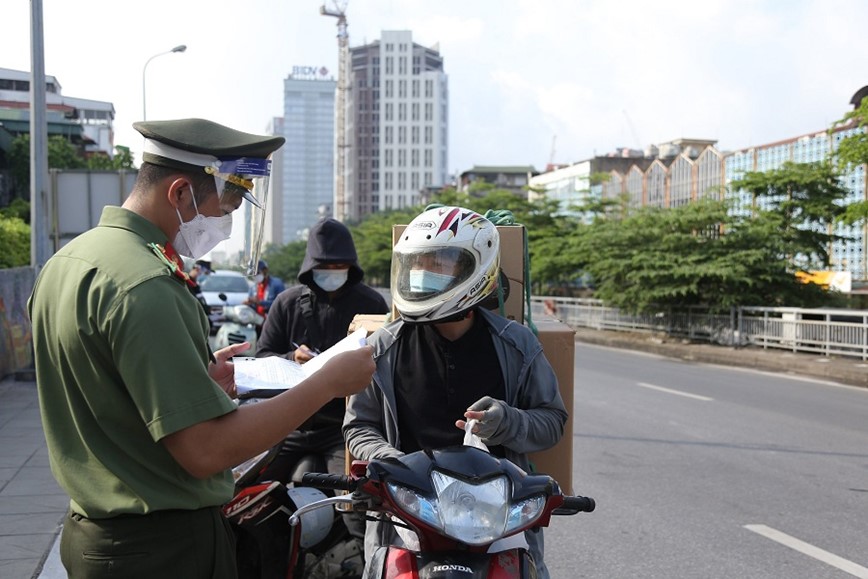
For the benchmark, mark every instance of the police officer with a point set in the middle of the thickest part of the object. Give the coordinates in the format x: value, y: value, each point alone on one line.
x: 138, y: 414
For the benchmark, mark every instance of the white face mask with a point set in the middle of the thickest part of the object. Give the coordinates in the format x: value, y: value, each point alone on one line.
x: 424, y: 281
x: 201, y: 234
x: 330, y: 279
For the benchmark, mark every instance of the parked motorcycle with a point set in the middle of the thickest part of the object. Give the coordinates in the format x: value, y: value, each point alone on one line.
x: 460, y: 511
x: 267, y: 546
x: 240, y: 323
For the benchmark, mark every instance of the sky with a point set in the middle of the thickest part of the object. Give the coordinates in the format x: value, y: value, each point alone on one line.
x: 530, y: 81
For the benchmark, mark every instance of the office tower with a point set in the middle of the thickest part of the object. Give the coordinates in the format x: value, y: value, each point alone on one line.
x: 397, y: 125
x: 303, y: 171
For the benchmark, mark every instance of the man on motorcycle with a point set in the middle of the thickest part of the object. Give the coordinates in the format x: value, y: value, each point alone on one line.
x: 309, y: 318
x: 449, y: 359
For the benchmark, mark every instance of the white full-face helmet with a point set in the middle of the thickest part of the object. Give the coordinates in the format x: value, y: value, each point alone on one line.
x: 446, y: 262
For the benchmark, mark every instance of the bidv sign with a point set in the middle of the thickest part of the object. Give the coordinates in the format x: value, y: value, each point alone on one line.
x: 309, y: 71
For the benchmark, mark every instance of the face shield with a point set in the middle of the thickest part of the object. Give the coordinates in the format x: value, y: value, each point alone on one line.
x: 245, y: 179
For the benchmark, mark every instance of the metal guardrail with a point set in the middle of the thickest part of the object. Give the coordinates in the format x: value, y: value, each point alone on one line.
x: 830, y: 332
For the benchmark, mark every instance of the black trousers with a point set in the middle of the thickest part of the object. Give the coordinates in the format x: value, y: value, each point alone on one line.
x: 326, y: 441
x: 197, y: 544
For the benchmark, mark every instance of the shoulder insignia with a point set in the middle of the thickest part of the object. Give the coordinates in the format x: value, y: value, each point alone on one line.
x: 171, y: 258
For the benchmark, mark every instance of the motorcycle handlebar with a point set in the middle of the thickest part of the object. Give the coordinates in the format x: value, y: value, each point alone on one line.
x: 573, y: 505
x: 328, y: 481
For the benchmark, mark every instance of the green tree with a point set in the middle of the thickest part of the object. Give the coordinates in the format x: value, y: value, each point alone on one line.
x: 14, y: 242
x: 696, y: 254
x: 373, y: 240
x: 809, y: 198
x: 17, y: 208
x: 284, y: 261
x: 61, y: 155
x: 123, y: 159
x: 556, y: 257
x: 853, y: 151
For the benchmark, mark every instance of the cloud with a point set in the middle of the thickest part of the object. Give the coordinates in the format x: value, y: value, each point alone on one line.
x: 596, y: 73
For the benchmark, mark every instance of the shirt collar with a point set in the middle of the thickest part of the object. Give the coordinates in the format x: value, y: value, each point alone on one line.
x: 113, y: 216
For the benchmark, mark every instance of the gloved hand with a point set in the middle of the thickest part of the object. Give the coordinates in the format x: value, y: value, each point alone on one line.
x: 490, y: 413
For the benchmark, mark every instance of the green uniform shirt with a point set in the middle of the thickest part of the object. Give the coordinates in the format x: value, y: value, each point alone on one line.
x: 121, y: 354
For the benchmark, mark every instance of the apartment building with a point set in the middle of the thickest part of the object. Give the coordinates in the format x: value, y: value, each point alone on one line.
x: 397, y: 124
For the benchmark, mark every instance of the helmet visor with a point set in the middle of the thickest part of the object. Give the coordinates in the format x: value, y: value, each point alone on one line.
x: 421, y: 275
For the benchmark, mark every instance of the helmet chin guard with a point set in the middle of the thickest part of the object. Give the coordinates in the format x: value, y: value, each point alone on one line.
x: 446, y: 262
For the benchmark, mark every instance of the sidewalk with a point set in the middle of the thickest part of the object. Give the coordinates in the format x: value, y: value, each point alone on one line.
x: 32, y: 506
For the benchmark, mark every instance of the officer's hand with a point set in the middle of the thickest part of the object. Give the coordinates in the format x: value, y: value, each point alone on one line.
x: 222, y: 370
x: 349, y: 372
x: 489, y: 412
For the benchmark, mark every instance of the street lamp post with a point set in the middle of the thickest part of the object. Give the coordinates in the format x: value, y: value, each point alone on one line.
x: 179, y: 48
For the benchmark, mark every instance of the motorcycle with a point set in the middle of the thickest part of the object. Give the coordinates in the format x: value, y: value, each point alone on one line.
x: 267, y: 546
x: 460, y: 511
x: 240, y: 323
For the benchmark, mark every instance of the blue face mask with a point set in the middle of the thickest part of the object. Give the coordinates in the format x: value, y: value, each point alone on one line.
x: 330, y: 279
x: 424, y: 281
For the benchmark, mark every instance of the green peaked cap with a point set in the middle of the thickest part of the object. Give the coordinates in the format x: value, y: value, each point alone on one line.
x: 208, y: 138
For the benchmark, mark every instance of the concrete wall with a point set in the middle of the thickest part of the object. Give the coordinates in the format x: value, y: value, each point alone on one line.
x: 76, y: 201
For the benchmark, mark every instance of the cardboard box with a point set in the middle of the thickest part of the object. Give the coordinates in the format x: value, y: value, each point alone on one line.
x: 371, y: 322
x: 559, y: 346
x: 511, y: 262
x: 558, y: 342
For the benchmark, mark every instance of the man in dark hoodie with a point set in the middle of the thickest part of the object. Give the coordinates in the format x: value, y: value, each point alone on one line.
x: 309, y: 318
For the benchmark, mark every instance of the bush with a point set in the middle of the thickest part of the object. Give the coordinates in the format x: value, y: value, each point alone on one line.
x: 14, y: 243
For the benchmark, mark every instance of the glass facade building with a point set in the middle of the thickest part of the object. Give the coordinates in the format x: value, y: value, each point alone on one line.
x: 307, y: 159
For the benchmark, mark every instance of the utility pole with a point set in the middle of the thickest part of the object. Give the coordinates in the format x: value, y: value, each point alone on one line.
x: 341, y: 210
x: 39, y: 206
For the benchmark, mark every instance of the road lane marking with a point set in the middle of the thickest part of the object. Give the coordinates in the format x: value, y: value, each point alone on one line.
x: 678, y: 392
x: 810, y: 550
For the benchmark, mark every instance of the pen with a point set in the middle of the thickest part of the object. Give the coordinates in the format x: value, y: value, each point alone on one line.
x: 313, y: 352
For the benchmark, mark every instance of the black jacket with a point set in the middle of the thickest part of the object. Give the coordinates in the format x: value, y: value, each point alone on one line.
x: 329, y: 242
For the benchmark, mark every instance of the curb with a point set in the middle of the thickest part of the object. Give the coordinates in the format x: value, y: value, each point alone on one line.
x: 850, y: 371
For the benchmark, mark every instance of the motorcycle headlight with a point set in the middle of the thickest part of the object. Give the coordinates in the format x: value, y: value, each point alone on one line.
x: 475, y: 514
x: 417, y: 505
x: 245, y: 314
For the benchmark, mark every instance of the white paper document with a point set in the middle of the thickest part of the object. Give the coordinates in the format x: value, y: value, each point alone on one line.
x: 275, y: 374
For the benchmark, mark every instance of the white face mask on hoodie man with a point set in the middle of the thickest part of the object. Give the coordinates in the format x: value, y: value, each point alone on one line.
x: 330, y: 279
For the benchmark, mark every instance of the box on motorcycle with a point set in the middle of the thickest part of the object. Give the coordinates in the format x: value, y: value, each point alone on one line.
x: 556, y: 337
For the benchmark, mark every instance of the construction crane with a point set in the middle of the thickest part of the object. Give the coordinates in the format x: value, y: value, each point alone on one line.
x: 342, y: 146
x: 551, y: 165
x: 632, y: 129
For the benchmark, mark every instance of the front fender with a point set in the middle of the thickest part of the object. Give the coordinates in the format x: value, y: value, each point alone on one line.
x: 404, y: 564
